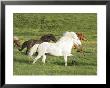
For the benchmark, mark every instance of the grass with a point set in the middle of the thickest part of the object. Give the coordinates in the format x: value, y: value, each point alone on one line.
x: 33, y: 26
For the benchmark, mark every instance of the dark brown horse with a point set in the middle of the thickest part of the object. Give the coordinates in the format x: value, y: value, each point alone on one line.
x: 29, y: 43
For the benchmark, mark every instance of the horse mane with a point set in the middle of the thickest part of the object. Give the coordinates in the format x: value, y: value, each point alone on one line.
x: 65, y: 37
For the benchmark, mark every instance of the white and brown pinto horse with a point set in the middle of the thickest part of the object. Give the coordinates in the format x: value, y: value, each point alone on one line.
x: 62, y: 47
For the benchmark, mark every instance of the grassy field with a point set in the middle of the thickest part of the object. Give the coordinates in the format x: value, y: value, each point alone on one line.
x: 33, y: 26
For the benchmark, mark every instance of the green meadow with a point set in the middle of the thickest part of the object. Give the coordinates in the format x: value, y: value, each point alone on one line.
x: 33, y: 25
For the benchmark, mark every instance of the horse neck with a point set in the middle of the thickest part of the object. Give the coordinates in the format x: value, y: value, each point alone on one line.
x: 64, y: 40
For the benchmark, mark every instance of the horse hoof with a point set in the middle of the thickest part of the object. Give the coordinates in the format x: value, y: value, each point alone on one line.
x: 65, y: 65
x: 33, y: 63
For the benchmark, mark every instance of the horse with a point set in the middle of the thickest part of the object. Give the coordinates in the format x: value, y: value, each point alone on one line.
x: 29, y: 43
x: 80, y: 35
x: 62, y: 47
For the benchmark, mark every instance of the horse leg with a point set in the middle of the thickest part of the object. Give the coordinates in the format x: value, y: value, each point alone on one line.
x: 30, y: 55
x: 30, y: 58
x: 27, y: 51
x: 44, y: 58
x: 65, y: 58
x: 39, y: 56
x: 23, y: 46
